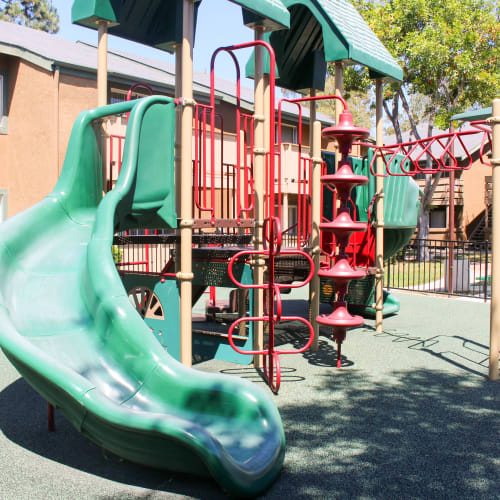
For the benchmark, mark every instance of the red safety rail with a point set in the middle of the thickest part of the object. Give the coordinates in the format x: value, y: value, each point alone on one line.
x: 302, y: 171
x: 273, y: 303
x: 118, y: 142
x: 234, y: 197
x: 443, y: 150
x: 222, y: 189
x: 361, y: 246
x: 135, y: 86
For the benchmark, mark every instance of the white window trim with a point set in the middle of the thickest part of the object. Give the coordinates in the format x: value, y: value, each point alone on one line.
x: 3, y: 102
x: 3, y: 205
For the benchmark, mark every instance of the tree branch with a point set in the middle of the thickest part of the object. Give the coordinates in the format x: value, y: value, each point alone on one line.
x: 409, y: 113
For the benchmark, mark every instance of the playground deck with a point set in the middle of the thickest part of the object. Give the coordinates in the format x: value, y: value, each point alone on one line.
x: 410, y: 415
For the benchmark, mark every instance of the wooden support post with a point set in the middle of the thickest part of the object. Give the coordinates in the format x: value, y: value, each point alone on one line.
x: 102, y: 63
x: 178, y: 147
x: 495, y: 274
x: 241, y: 294
x: 314, y: 287
x: 185, y: 188
x: 379, y: 213
x: 102, y: 92
x: 260, y: 188
x: 339, y: 89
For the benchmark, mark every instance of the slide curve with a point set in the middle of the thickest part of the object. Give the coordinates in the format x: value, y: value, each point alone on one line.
x: 67, y: 325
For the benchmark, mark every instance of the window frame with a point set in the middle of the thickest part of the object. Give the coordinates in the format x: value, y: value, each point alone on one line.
x: 295, y: 133
x: 4, y: 89
x: 3, y: 205
x: 444, y: 211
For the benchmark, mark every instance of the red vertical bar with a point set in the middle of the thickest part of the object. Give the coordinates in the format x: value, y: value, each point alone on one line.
x: 51, y: 425
x: 119, y: 155
x: 110, y: 163
x: 146, y: 232
x: 196, y: 166
x: 204, y: 174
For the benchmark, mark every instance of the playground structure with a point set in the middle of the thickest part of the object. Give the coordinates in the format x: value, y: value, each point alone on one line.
x: 111, y: 374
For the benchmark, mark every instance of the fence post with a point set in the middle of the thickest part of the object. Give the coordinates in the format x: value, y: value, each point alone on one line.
x: 388, y: 267
x: 485, y: 286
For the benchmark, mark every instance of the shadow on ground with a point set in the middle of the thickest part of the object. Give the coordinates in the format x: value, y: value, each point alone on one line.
x: 23, y: 421
x: 423, y: 434
x: 420, y: 434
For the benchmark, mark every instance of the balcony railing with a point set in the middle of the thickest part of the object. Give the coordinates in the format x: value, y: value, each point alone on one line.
x: 442, y: 193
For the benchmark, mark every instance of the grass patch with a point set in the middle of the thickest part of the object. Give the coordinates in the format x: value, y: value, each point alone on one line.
x: 411, y: 274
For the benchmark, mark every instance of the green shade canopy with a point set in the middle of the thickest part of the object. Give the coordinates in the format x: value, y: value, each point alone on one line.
x: 158, y: 23
x: 324, y: 31
x: 477, y: 114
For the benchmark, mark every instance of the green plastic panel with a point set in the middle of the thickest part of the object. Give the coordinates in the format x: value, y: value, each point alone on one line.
x: 271, y: 14
x: 323, y: 31
x: 89, y: 12
x: 67, y: 325
x: 166, y: 330
x: 160, y: 21
x: 477, y: 114
x: 401, y: 201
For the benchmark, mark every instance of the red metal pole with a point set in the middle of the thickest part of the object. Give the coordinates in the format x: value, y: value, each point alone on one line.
x: 51, y: 425
x: 451, y: 223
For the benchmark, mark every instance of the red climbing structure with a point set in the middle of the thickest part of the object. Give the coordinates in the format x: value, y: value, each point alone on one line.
x: 273, y: 303
x: 341, y: 272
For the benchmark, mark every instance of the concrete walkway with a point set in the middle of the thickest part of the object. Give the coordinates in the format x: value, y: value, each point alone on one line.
x: 410, y: 415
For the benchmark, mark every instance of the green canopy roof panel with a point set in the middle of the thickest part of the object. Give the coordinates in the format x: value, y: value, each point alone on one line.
x: 271, y: 14
x: 88, y: 13
x: 158, y: 23
x: 343, y: 25
x: 477, y: 114
x: 334, y: 29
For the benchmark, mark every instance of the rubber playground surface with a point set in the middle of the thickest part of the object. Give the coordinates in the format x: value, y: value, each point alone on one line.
x: 410, y: 415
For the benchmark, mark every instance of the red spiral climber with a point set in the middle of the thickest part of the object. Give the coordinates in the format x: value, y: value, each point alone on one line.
x: 341, y: 272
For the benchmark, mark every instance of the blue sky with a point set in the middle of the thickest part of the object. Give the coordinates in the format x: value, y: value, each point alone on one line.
x: 219, y: 23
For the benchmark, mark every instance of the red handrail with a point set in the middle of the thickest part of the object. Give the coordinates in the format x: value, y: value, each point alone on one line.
x: 441, y: 149
x: 273, y: 238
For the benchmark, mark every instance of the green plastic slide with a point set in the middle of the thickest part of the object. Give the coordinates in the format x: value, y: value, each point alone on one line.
x: 67, y: 324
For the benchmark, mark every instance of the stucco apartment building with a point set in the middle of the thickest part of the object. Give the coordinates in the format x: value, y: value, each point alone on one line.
x: 45, y: 81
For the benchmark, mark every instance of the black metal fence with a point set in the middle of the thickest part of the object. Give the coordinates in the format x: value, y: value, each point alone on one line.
x: 446, y: 267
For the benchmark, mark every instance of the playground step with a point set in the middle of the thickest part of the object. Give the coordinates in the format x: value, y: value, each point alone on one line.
x: 220, y: 335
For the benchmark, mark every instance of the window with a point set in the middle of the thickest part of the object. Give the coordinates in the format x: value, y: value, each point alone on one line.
x: 3, y: 102
x: 292, y: 220
x: 288, y: 134
x: 437, y: 218
x: 118, y: 95
x: 1, y: 95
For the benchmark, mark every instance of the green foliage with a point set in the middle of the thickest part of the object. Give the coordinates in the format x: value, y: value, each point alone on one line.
x: 37, y: 14
x: 359, y: 98
x: 449, y: 49
x: 117, y: 254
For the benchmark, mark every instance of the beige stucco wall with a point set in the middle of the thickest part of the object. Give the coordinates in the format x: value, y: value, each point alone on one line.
x: 6, y: 64
x: 42, y: 108
x: 75, y: 95
x: 29, y: 149
x: 474, y: 190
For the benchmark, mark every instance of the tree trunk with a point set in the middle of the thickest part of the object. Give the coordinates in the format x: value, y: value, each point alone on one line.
x: 423, y: 235
x: 430, y: 187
